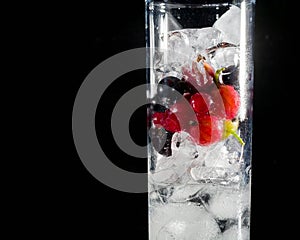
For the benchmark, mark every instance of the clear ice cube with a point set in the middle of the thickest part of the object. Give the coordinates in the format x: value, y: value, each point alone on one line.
x: 175, y: 168
x: 204, y: 38
x: 185, y: 45
x: 215, y: 175
x: 178, y: 47
x: 178, y: 222
x: 218, y: 163
x: 185, y: 193
x: 229, y: 203
x: 225, y: 57
x: 184, y: 146
x: 164, y: 177
x: 173, y: 24
x: 229, y: 24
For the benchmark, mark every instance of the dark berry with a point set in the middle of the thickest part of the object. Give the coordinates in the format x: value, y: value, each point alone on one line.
x: 170, y: 89
x: 156, y: 106
x: 161, y: 140
x: 230, y: 76
x: 191, y: 87
x: 167, y: 150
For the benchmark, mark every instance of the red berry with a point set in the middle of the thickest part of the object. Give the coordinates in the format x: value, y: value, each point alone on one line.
x: 158, y: 118
x: 171, y: 122
x: 167, y: 120
x: 217, y: 107
x: 231, y: 100
x: 177, y: 118
x: 208, y: 130
x: 200, y: 103
x: 184, y: 113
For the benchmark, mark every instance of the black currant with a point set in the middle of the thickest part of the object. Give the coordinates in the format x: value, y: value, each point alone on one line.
x: 171, y: 89
x: 156, y: 106
x: 161, y: 140
x: 230, y: 76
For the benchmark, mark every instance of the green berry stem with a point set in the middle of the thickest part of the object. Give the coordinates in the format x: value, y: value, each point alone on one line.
x: 238, y: 137
x: 217, y: 75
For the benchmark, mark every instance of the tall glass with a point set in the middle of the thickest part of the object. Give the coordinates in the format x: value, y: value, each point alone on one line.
x: 200, y: 118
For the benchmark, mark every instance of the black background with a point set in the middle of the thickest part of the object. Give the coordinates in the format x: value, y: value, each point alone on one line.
x: 72, y: 203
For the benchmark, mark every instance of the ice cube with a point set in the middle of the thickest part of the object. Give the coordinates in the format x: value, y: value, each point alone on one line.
x: 235, y: 150
x: 182, y: 222
x: 217, y: 157
x: 225, y: 154
x: 164, y: 177
x: 165, y: 172
x: 160, y: 195
x: 229, y: 24
x: 218, y: 165
x: 225, y: 57
x: 184, y: 145
x: 204, y: 38
x: 185, y: 193
x: 175, y: 168
x: 186, y: 44
x: 215, y: 175
x: 234, y: 233
x: 229, y: 203
x: 173, y: 230
x: 173, y: 24
x: 178, y: 47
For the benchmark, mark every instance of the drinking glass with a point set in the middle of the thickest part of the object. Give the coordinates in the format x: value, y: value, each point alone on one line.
x: 200, y: 75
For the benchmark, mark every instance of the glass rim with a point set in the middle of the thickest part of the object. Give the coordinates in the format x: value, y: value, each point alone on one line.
x: 165, y: 5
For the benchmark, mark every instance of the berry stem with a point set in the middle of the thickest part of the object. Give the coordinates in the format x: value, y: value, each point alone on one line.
x: 230, y: 129
x: 217, y: 75
x: 237, y: 137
